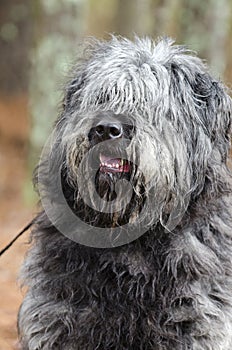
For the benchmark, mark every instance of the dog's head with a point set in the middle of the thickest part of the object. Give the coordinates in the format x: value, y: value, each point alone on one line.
x: 144, y: 125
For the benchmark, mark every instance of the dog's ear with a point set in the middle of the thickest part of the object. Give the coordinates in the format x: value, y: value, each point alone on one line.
x: 222, y: 120
x: 204, y: 102
x: 215, y: 108
x: 74, y: 87
x: 70, y: 91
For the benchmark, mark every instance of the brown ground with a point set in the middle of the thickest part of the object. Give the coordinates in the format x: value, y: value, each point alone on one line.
x: 13, y: 212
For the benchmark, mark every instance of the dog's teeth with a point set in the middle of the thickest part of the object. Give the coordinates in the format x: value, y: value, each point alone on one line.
x: 115, y: 165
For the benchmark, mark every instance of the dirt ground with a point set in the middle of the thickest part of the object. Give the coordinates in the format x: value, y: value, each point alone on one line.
x: 14, y: 214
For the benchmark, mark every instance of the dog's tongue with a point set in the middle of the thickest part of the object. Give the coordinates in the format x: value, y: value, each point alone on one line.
x: 113, y: 165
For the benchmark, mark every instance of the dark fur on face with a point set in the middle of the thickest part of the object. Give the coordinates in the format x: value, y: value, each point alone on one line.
x: 150, y: 115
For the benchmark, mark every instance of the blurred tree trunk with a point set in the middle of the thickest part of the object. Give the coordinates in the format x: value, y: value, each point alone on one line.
x: 15, y: 41
x: 57, y: 27
x: 219, y: 17
x: 228, y: 49
x: 127, y: 17
x: 133, y: 17
x: 172, y: 18
x: 121, y: 17
x: 101, y: 17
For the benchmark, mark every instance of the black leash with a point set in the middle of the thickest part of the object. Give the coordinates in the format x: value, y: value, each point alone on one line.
x: 16, y: 237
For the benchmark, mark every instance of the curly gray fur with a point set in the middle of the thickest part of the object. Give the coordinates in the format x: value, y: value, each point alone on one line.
x: 168, y: 289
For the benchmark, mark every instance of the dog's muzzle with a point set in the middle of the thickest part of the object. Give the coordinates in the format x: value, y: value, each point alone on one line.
x: 109, y: 128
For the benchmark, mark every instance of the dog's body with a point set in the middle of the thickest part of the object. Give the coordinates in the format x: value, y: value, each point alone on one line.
x: 170, y: 288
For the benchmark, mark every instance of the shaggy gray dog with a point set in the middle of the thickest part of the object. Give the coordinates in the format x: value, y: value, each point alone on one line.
x: 144, y: 118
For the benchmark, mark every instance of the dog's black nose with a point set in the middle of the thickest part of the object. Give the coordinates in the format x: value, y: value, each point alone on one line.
x: 106, y: 130
x: 108, y: 126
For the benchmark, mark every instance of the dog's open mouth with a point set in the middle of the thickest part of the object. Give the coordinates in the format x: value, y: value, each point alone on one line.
x: 114, y: 165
